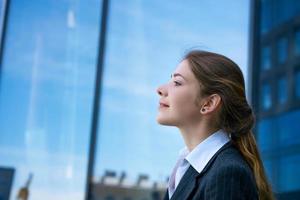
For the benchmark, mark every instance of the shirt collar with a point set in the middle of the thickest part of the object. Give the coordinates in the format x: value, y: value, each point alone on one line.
x: 204, y: 151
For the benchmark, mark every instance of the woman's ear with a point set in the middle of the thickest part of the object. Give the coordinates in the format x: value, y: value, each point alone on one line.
x: 210, y: 104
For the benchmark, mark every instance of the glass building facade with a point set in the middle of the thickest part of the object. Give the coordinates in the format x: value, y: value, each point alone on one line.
x: 48, y: 64
x: 78, y: 98
x: 274, y: 66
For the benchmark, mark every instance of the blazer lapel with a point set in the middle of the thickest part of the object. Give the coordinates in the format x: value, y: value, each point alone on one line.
x: 189, y: 179
x: 186, y: 184
x: 166, y: 195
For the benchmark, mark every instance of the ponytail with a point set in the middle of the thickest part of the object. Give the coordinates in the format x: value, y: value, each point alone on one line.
x: 238, y: 121
x: 247, y: 146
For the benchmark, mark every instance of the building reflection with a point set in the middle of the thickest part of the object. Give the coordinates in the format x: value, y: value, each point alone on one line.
x: 114, y: 187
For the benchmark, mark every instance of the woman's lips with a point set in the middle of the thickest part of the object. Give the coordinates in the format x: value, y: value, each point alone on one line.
x: 163, y: 105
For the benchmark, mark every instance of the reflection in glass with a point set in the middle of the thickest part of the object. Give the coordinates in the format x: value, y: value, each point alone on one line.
x: 282, y: 50
x: 134, y: 63
x: 46, y: 95
x: 266, y: 58
x: 145, y: 41
x: 282, y: 91
x: 266, y: 98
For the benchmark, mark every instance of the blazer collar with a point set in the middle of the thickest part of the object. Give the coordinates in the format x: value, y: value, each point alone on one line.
x: 203, y: 152
x: 186, y: 184
x: 210, y: 162
x: 189, y: 179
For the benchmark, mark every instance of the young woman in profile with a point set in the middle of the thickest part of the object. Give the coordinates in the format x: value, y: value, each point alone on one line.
x: 205, y: 99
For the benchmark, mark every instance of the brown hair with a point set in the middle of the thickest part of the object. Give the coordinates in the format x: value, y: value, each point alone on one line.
x: 218, y: 74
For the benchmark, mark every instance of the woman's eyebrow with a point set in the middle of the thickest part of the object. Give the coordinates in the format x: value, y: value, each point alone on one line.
x: 177, y: 74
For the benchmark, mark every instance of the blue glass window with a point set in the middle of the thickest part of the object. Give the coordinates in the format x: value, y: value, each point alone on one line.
x: 275, y: 134
x: 282, y: 50
x: 265, y: 134
x: 297, y: 41
x: 266, y: 96
x: 276, y: 12
x: 287, y: 128
x: 296, y: 5
x: 282, y: 92
x: 289, y: 173
x: 269, y: 169
x: 284, y: 10
x: 266, y: 58
x: 297, y: 86
x: 266, y: 16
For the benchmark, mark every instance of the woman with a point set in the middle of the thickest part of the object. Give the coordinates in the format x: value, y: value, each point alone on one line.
x: 206, y: 100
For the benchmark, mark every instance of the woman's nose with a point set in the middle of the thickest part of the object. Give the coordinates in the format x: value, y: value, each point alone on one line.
x: 161, y: 91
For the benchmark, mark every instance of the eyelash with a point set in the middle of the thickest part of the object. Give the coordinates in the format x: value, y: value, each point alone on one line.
x: 177, y: 83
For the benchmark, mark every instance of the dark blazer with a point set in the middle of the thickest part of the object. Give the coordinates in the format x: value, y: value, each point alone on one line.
x: 226, y: 176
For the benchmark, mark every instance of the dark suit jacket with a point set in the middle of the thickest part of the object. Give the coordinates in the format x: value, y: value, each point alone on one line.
x: 226, y: 176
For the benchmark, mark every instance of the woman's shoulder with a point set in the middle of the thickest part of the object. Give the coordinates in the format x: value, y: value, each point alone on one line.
x: 230, y: 161
x: 230, y: 168
x: 230, y: 155
x: 227, y: 175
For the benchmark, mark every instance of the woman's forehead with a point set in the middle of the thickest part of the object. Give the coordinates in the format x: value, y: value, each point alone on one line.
x: 184, y: 70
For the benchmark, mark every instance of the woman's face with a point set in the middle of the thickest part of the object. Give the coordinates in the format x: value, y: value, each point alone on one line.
x: 178, y: 97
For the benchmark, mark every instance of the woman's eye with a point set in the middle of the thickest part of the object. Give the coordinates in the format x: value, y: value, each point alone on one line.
x: 177, y: 83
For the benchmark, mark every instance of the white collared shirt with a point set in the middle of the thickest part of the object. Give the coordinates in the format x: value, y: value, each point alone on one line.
x: 197, y: 158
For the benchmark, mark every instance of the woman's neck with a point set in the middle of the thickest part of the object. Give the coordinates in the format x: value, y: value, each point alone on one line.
x: 195, y: 134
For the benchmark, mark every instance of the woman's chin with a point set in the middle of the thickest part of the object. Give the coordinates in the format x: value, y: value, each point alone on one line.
x: 164, y: 121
